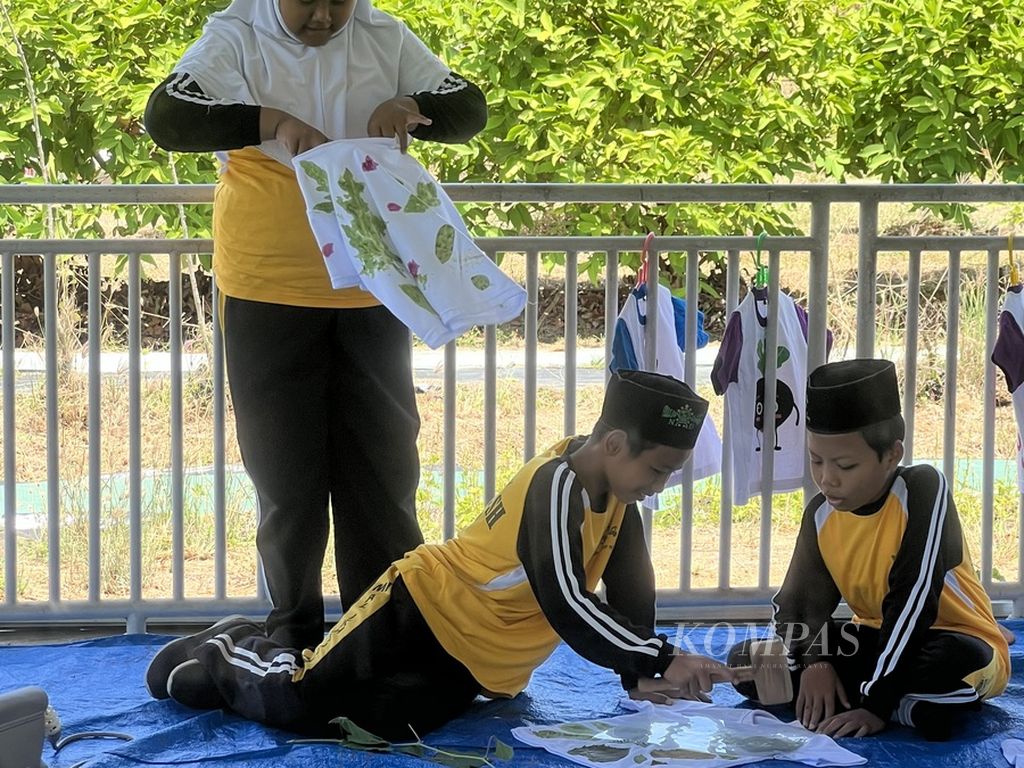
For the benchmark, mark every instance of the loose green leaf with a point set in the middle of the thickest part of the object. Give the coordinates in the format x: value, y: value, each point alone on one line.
x: 354, y: 735
x: 503, y: 751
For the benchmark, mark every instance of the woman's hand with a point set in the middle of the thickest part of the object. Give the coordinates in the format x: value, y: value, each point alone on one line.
x: 396, y: 117
x: 290, y: 132
x: 820, y: 686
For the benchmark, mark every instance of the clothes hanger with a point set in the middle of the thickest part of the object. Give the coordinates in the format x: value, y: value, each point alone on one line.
x: 641, y: 273
x: 761, y: 269
x: 1014, y: 274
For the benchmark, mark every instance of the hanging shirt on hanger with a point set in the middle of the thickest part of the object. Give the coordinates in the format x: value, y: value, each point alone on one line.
x: 738, y: 373
x: 629, y: 353
x: 1008, y: 354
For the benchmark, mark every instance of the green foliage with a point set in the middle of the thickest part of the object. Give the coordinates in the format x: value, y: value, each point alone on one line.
x: 93, y: 64
x: 602, y: 91
x: 597, y: 91
x: 938, y: 93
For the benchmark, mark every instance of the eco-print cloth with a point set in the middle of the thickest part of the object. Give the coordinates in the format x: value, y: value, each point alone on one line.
x: 686, y: 733
x: 384, y: 224
x: 1008, y: 354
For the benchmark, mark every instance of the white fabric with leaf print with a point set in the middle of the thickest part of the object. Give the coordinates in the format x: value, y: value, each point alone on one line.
x: 385, y: 224
x: 685, y: 733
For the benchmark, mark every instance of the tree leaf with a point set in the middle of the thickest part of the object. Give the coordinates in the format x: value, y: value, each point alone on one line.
x: 353, y: 734
x: 503, y: 751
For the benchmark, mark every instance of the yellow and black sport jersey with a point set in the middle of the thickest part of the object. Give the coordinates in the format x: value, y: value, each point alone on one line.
x: 264, y: 249
x: 903, y: 567
x: 522, y: 575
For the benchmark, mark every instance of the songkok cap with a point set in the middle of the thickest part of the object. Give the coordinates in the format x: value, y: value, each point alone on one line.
x: 659, y: 409
x: 850, y: 395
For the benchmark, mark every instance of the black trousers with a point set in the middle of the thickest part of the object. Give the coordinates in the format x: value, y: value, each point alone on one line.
x: 326, y: 417
x: 380, y: 666
x: 935, y: 682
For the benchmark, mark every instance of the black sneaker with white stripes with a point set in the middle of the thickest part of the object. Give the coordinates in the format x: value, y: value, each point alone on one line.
x: 190, y: 684
x: 179, y: 651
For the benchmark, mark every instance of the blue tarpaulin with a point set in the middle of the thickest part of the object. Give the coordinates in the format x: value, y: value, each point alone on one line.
x: 98, y: 685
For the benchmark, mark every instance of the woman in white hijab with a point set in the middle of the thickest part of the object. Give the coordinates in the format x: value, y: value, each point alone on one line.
x: 320, y: 379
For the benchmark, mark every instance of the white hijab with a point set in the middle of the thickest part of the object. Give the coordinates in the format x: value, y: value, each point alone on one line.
x: 246, y: 54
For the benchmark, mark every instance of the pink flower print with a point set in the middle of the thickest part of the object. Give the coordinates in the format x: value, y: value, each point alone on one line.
x: 393, y: 207
x: 414, y: 268
x: 328, y: 250
x: 369, y: 164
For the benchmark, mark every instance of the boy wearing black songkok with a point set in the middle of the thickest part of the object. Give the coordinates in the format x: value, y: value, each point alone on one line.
x: 923, y: 646
x: 477, y: 614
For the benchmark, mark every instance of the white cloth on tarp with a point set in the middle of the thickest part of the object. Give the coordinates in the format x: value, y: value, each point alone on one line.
x: 383, y: 223
x: 1013, y: 751
x: 687, y: 733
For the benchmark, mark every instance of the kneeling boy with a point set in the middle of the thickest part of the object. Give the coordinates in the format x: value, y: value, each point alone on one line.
x: 480, y: 612
x: 923, y: 646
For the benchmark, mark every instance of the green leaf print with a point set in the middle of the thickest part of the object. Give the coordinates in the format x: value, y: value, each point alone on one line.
x: 600, y: 753
x: 414, y: 293
x: 367, y: 231
x: 325, y: 207
x: 317, y: 174
x: 423, y: 199
x: 681, y: 754
x: 480, y: 282
x: 776, y: 744
x: 444, y: 243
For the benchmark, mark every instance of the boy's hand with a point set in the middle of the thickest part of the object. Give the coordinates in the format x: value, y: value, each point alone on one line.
x: 396, y: 117
x: 655, y: 689
x: 290, y: 132
x: 856, y: 722
x: 820, y: 686
x: 693, y: 676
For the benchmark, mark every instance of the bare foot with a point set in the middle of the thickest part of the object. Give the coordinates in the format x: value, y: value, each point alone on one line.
x: 1007, y: 635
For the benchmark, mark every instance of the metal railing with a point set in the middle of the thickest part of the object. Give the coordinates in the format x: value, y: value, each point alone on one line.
x: 685, y: 599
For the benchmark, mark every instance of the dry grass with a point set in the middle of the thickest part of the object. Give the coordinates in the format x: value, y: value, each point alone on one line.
x: 198, y: 541
x: 198, y: 538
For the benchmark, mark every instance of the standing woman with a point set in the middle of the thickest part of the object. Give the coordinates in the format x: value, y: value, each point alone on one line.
x: 320, y: 379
